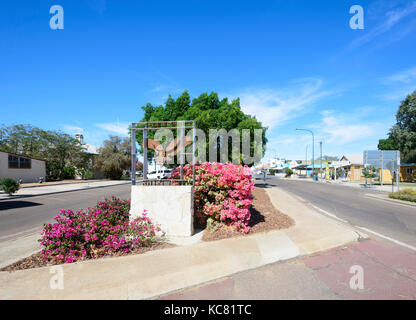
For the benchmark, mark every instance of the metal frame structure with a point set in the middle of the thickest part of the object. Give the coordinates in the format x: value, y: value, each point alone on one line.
x: 156, y: 125
x: 384, y: 159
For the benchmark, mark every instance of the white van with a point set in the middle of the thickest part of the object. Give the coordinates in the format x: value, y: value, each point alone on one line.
x: 160, y: 174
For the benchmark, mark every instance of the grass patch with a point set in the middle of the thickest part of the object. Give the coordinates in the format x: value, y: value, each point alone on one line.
x: 406, y: 195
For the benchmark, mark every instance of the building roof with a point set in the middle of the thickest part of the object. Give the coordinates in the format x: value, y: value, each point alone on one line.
x: 22, y: 155
x: 91, y: 149
x: 353, y: 158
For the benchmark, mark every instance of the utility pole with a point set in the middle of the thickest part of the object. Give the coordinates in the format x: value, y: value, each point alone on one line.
x: 313, y: 149
x: 320, y: 146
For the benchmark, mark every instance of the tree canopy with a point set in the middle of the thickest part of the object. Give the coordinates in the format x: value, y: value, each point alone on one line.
x: 402, y: 135
x: 114, y: 157
x: 208, y: 112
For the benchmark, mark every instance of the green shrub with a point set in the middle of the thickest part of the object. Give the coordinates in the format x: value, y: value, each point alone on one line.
x: 406, y: 194
x: 87, y: 174
x: 9, y: 186
x: 288, y: 172
x: 125, y: 175
x: 68, y: 173
x: 272, y: 171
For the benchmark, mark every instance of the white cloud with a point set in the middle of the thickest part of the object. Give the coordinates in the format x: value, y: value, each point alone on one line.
x: 392, y: 18
x: 72, y: 129
x: 401, y: 84
x: 405, y: 76
x: 273, y: 107
x: 97, y: 133
x: 397, y: 94
x: 115, y: 127
x: 342, y: 129
x: 166, y: 88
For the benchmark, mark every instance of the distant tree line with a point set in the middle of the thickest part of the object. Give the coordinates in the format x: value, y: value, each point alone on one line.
x: 65, y: 155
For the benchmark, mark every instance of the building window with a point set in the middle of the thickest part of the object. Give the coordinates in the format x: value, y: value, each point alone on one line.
x: 16, y: 162
x: 409, y: 170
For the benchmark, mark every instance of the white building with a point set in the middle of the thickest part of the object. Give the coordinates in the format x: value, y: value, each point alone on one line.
x: 275, y: 163
x: 17, y: 166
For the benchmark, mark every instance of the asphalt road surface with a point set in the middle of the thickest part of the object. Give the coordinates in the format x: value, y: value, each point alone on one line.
x: 353, y: 205
x: 388, y: 271
x: 27, y: 215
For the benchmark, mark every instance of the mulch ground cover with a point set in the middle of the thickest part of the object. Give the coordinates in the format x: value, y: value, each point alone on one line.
x: 264, y: 217
x: 36, y: 260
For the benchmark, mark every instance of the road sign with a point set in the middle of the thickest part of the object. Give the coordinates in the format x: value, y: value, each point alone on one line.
x: 384, y: 159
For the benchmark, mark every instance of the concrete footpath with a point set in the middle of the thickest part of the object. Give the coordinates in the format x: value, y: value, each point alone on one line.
x: 15, y: 249
x: 158, y: 272
x: 59, y: 188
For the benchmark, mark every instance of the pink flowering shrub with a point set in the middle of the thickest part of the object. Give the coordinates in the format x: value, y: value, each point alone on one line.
x: 222, y: 193
x: 97, y: 231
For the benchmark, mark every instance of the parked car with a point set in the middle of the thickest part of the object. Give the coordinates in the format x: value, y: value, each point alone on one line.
x: 160, y: 174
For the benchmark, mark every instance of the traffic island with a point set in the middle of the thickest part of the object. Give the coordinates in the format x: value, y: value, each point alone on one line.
x: 158, y: 272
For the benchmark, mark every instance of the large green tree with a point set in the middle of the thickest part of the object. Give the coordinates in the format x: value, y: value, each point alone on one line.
x: 64, y: 154
x: 114, y: 157
x: 208, y: 111
x: 386, y: 144
x: 402, y: 135
x: 24, y: 139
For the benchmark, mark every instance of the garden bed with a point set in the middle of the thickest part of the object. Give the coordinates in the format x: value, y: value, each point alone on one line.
x: 36, y: 260
x: 405, y: 195
x: 100, y: 231
x: 264, y: 217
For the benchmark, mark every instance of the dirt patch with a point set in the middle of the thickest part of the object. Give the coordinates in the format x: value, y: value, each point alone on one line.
x: 36, y: 260
x: 264, y: 217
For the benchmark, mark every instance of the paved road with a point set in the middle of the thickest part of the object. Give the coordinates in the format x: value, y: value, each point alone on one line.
x: 388, y: 268
x: 372, y: 269
x: 27, y: 215
x: 384, y: 217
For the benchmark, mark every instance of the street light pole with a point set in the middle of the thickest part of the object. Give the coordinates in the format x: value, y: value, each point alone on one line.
x: 313, y: 150
x: 320, y: 145
x: 275, y: 154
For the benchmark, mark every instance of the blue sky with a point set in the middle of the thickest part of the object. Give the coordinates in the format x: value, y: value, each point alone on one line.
x: 293, y: 64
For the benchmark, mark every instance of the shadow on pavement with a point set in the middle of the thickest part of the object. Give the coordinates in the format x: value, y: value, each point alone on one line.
x: 260, y: 184
x: 6, y: 205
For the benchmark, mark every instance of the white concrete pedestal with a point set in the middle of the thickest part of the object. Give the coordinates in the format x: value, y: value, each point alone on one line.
x: 170, y: 207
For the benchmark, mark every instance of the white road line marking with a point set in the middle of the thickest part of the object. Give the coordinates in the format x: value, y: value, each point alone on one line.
x: 362, y: 228
x: 328, y: 213
x: 390, y: 201
x: 388, y: 238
